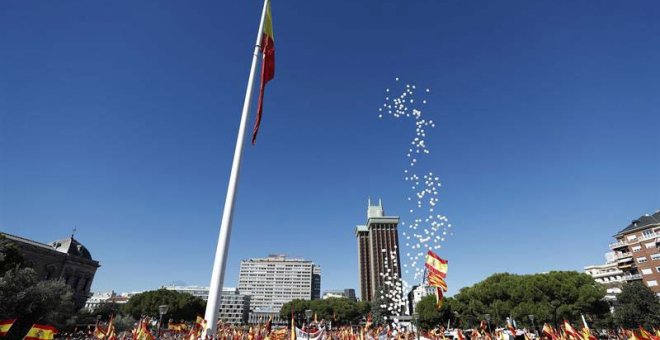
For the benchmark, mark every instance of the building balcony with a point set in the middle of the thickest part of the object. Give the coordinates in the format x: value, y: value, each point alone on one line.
x: 649, y: 236
x: 618, y: 244
x: 633, y: 277
x: 620, y: 256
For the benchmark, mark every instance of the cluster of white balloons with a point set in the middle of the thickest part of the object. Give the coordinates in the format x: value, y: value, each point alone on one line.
x: 392, y: 295
x: 427, y: 229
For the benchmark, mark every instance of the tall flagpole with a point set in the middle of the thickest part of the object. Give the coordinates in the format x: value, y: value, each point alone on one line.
x: 218, y: 275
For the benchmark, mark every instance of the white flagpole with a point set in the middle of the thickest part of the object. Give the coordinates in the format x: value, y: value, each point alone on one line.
x: 218, y: 275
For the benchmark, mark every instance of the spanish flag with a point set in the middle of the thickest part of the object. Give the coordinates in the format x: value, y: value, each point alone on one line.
x: 5, y: 325
x: 41, y: 332
x: 267, y: 65
x: 570, y: 330
x: 549, y: 331
x: 437, y: 269
x: 436, y: 265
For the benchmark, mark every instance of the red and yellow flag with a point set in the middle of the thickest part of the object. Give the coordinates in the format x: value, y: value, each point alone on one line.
x: 5, y: 325
x: 547, y: 329
x: 570, y: 330
x: 437, y: 271
x: 41, y: 332
x: 436, y: 265
x: 267, y: 66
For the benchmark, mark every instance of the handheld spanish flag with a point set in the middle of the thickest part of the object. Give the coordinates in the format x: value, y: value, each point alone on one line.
x: 570, y: 330
x: 41, y: 332
x: 267, y: 66
x: 5, y: 325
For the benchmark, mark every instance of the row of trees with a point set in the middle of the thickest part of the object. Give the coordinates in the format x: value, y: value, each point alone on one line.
x: 341, y: 311
x: 551, y: 298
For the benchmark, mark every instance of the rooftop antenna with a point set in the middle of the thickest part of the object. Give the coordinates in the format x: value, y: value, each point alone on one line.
x: 73, y: 232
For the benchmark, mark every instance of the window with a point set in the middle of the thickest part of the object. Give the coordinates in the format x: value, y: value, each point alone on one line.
x: 636, y: 248
x: 641, y: 259
x: 655, y: 257
x: 647, y: 271
x: 647, y: 232
x: 652, y: 283
x: 649, y: 245
x: 657, y: 269
x: 632, y: 237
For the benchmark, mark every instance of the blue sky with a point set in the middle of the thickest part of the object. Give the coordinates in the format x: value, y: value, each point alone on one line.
x: 120, y: 118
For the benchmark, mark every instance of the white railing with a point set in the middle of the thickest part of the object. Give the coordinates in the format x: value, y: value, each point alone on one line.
x: 618, y: 244
x: 619, y: 256
x: 648, y: 236
x: 633, y: 277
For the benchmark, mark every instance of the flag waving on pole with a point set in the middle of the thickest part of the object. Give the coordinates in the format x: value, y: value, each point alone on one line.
x: 267, y: 66
x: 437, y: 272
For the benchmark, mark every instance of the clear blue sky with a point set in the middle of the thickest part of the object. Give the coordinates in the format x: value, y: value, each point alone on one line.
x: 119, y: 117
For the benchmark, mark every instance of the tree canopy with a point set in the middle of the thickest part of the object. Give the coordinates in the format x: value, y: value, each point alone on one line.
x: 637, y: 305
x: 181, y: 306
x: 550, y: 297
x: 346, y: 311
x: 27, y: 299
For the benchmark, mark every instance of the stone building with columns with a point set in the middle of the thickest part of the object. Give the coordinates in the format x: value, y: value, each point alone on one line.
x: 66, y: 259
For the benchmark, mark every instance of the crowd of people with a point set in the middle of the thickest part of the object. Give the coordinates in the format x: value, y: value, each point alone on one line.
x: 145, y: 330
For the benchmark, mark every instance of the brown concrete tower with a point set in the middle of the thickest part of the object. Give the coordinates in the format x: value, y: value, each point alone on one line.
x: 376, y: 241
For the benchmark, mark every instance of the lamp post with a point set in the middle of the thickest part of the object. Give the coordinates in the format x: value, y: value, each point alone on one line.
x: 308, y: 314
x: 531, y: 317
x: 162, y: 310
x: 488, y: 321
x: 416, y: 318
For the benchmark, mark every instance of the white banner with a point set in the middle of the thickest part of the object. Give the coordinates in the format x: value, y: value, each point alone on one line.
x: 318, y: 335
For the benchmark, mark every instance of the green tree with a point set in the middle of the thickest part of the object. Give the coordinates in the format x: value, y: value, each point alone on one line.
x: 549, y: 297
x: 10, y: 256
x: 637, y: 305
x: 297, y: 307
x: 29, y: 300
x: 341, y: 311
x: 181, y: 306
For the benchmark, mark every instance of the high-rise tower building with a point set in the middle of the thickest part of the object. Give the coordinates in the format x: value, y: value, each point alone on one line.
x: 376, y: 241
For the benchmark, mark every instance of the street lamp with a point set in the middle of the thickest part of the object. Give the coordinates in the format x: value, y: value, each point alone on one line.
x: 416, y: 318
x: 531, y: 317
x: 308, y: 314
x: 162, y: 310
x: 488, y: 321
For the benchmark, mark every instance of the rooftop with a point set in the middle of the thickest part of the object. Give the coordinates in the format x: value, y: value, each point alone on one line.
x: 643, y: 222
x: 69, y: 245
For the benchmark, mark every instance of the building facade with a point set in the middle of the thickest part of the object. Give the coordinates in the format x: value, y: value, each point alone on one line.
x: 66, y: 260
x: 197, y: 291
x: 316, y: 283
x: 98, y: 299
x: 234, y: 307
x: 348, y: 293
x: 376, y: 240
x: 609, y: 275
x: 635, y: 256
x: 416, y: 294
x: 275, y: 280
